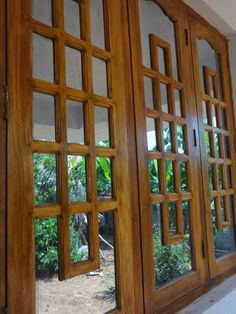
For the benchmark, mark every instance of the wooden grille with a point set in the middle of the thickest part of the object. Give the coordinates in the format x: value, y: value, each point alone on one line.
x: 168, y: 119
x: 85, y: 93
x: 217, y: 148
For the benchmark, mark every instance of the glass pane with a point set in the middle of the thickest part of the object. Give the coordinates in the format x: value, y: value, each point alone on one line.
x: 161, y: 60
x: 222, y: 207
x: 172, y: 209
x: 99, y: 77
x: 72, y: 13
x: 43, y: 58
x: 174, y: 260
x: 180, y: 139
x: 75, y: 122
x: 217, y: 145
x: 45, y: 185
x: 97, y: 23
x: 224, y: 119
x: 229, y: 176
x: 209, y: 57
x: 43, y: 117
x: 77, y: 178
x: 106, y: 293
x: 74, y: 68
x: 178, y: 103
x: 167, y: 139
x: 220, y: 177
x: 183, y: 176
x: 151, y: 134
x: 104, y: 179
x: 227, y: 147
x: 164, y: 98
x: 46, y: 244
x: 154, y: 21
x: 215, y: 121
x: 170, y: 181
x: 208, y: 143
x: 224, y: 242
x: 148, y: 90
x: 205, y: 112
x: 42, y: 11
x: 211, y: 81
x: 102, y: 134
x: 79, y: 238
x: 154, y: 176
x: 94, y: 292
x: 211, y: 177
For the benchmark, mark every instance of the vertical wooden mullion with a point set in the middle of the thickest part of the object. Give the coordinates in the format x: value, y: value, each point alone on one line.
x: 92, y: 147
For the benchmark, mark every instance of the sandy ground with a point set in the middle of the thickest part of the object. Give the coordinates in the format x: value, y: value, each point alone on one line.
x: 85, y: 294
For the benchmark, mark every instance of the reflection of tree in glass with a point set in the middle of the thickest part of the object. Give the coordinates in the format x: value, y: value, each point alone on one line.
x: 104, y: 182
x: 44, y: 178
x: 154, y: 176
x: 77, y: 178
x: 173, y: 260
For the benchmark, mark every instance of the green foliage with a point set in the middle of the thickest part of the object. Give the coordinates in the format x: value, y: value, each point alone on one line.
x: 104, y: 184
x: 46, y: 247
x: 77, y: 178
x: 171, y: 261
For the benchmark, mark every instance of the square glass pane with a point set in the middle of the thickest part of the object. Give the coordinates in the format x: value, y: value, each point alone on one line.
x: 97, y: 23
x: 77, y: 178
x: 42, y: 11
x: 183, y: 176
x: 224, y: 118
x: 102, y: 133
x: 174, y: 260
x: 43, y: 117
x: 74, y: 77
x: 104, y: 178
x: 186, y: 216
x: 45, y: 178
x: 227, y: 147
x: 215, y: 120
x: 151, y: 134
x: 72, y: 15
x: 148, y: 92
x: 167, y: 138
x: 43, y: 58
x: 211, y: 82
x: 211, y: 177
x: 223, y: 207
x: 79, y: 238
x: 180, y: 139
x: 220, y: 177
x: 172, y: 210
x: 170, y: 179
x: 205, y: 112
x: 161, y: 60
x: 217, y: 145
x: 99, y: 77
x: 178, y: 103
x: 208, y: 143
x: 46, y: 248
x: 229, y: 176
x: 154, y: 176
x: 75, y: 122
x: 164, y: 98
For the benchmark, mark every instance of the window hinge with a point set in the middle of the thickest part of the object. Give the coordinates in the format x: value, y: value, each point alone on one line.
x: 6, y: 103
x: 203, y: 249
x: 186, y: 37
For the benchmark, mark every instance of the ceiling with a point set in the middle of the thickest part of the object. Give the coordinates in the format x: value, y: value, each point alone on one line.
x: 219, y: 13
